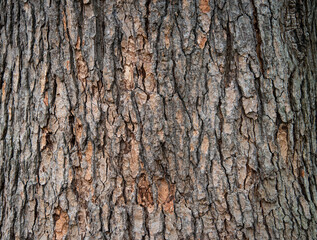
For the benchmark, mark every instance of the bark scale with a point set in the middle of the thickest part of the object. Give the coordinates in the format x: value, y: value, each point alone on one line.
x: 158, y: 119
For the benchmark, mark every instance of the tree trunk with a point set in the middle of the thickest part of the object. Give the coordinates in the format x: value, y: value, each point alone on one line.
x: 158, y: 119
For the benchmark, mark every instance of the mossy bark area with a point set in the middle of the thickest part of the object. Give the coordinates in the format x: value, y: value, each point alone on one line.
x: 158, y: 119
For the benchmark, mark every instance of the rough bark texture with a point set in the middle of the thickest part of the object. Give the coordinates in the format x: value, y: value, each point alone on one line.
x: 158, y: 119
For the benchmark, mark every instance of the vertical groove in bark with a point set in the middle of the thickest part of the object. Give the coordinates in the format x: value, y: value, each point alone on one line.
x: 258, y: 36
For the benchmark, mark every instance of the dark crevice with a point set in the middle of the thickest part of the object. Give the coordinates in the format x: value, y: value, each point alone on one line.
x: 258, y: 36
x: 146, y: 17
x: 229, y: 56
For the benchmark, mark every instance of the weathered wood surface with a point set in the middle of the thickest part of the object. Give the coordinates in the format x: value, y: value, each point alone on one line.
x: 158, y: 119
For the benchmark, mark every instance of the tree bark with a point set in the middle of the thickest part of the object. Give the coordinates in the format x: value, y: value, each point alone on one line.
x: 158, y: 119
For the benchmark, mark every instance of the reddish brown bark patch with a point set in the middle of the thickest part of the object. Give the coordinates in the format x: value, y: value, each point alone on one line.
x: 204, y: 6
x: 61, y: 223
x: 78, y: 130
x: 145, y: 196
x: 65, y: 26
x: 166, y: 194
x: 81, y: 65
x: 282, y: 142
x: 82, y: 69
x: 83, y: 177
